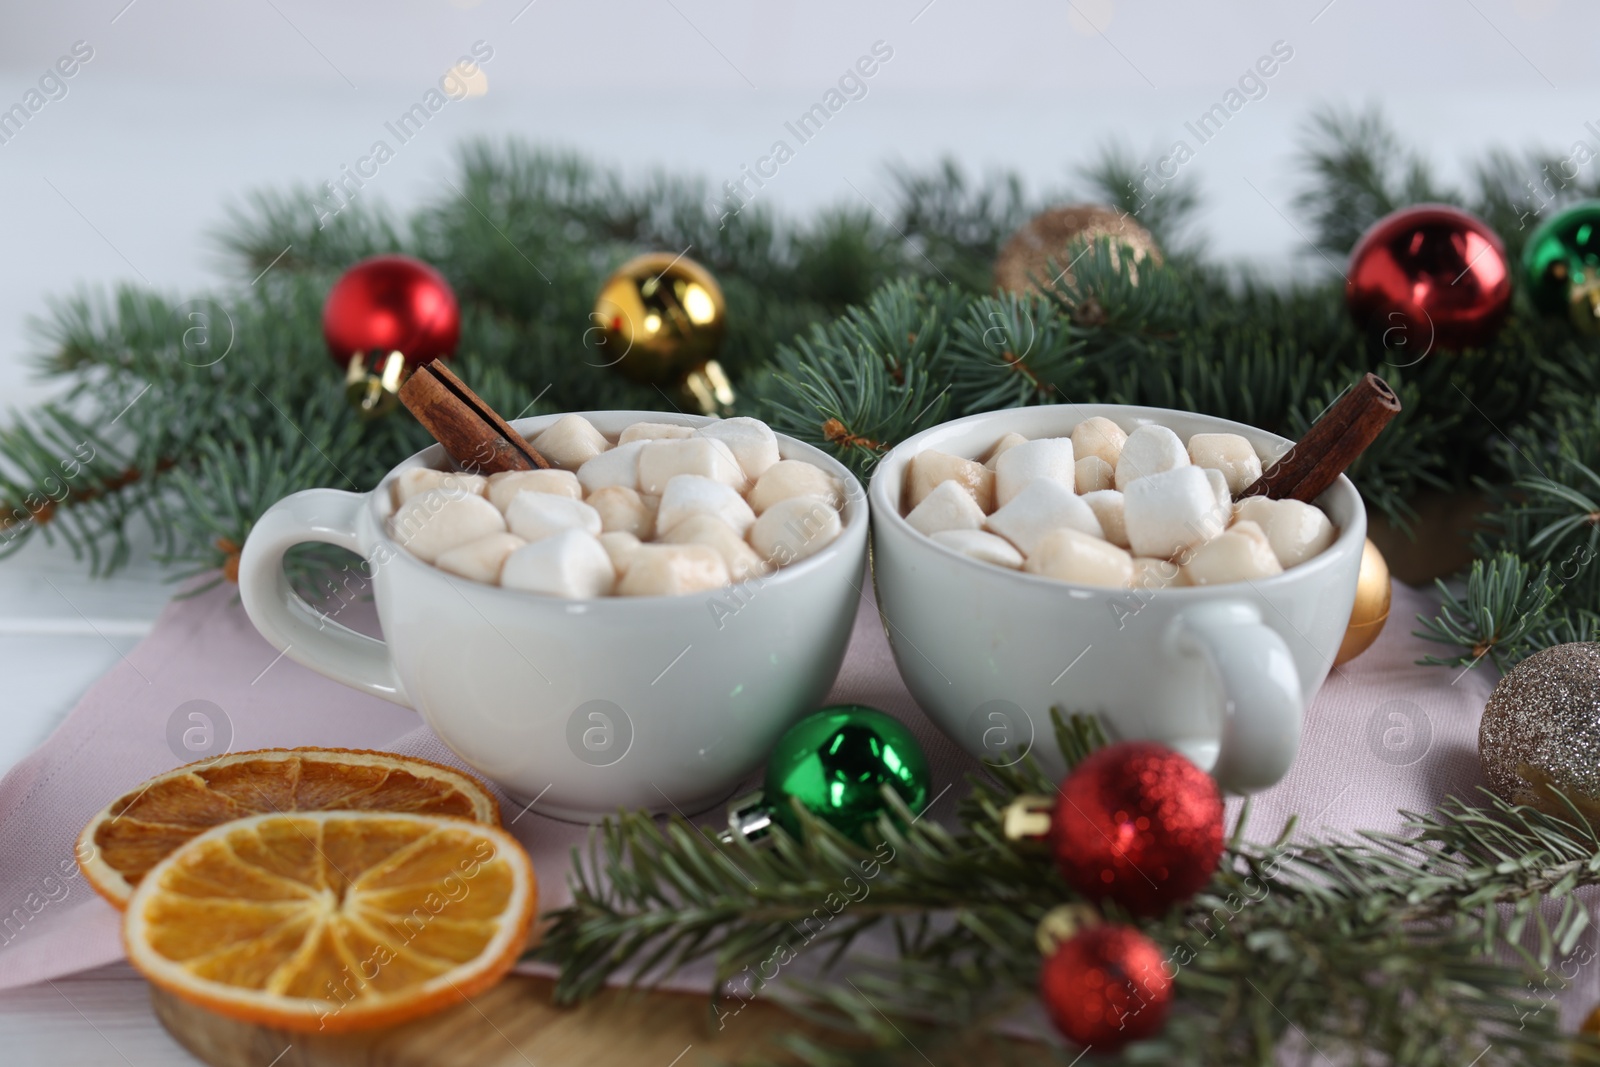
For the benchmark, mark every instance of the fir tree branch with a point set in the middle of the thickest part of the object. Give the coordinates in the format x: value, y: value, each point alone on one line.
x: 850, y: 329
x: 1421, y: 947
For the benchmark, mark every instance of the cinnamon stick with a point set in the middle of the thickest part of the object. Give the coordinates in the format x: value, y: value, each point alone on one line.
x: 476, y: 437
x: 1334, y: 441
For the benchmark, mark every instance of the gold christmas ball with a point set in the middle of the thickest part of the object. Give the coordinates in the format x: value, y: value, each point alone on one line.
x: 660, y: 320
x: 1042, y: 253
x: 1371, y: 608
x: 1540, y: 731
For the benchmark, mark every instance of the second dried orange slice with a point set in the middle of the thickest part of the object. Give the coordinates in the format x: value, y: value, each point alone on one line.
x: 135, y: 831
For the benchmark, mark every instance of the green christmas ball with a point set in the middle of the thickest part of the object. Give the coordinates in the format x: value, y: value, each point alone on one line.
x: 837, y: 761
x: 1562, y: 262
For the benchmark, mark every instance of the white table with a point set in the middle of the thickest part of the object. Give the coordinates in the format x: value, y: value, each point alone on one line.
x: 59, y: 631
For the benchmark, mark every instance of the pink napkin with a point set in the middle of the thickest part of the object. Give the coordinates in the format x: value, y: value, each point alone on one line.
x: 203, y: 655
x: 1383, y: 734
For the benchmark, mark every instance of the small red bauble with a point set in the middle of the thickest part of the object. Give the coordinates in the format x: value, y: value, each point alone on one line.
x: 1427, y: 277
x: 1106, y: 986
x: 1138, y: 824
x: 391, y: 304
x: 383, y: 319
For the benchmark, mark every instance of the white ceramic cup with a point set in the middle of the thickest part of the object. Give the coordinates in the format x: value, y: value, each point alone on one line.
x: 587, y: 706
x: 1221, y: 673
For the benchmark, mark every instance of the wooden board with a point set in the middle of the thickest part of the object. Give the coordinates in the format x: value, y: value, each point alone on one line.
x: 515, y: 1024
x: 512, y: 1025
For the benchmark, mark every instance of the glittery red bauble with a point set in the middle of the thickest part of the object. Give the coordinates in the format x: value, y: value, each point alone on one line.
x: 1106, y: 987
x: 1138, y: 824
x: 391, y: 304
x: 1429, y: 277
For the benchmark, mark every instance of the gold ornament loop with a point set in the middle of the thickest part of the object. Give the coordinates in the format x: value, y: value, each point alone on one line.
x: 1584, y: 308
x: 710, y: 389
x: 1027, y: 818
x: 372, y: 384
x: 1061, y: 924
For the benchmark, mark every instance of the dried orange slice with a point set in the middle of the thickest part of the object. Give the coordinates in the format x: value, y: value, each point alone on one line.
x: 333, y: 921
x: 140, y: 827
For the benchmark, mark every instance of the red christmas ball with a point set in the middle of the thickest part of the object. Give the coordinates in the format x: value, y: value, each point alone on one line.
x: 1106, y: 986
x: 391, y: 304
x: 1138, y: 824
x: 1429, y: 277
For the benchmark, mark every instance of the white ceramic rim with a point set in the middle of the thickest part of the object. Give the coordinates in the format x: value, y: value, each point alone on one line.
x: 380, y: 505
x: 885, y: 509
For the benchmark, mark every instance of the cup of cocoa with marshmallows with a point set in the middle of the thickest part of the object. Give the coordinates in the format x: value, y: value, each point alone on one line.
x: 1096, y: 558
x: 633, y: 628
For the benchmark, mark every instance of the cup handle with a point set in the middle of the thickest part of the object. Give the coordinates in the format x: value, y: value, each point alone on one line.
x: 293, y: 626
x: 1261, y: 695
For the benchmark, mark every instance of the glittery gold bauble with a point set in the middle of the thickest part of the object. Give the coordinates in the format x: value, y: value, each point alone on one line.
x: 1371, y: 608
x: 660, y: 321
x: 1541, y: 730
x: 1041, y: 254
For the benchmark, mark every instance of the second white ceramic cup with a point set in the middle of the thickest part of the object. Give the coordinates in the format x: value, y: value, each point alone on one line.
x: 1221, y: 673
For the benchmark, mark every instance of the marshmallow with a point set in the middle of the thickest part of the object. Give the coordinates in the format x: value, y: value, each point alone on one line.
x: 1256, y: 509
x: 1073, y: 556
x: 1048, y: 457
x: 1150, y: 449
x: 435, y: 521
x: 751, y: 441
x: 503, y: 487
x: 1002, y: 446
x: 672, y: 570
x: 928, y: 468
x: 535, y: 516
x: 420, y: 479
x: 1235, y: 556
x: 623, y: 509
x: 790, y: 478
x: 1219, y: 489
x: 1107, y: 505
x: 1168, y: 512
x: 691, y: 494
x: 984, y: 547
x: 948, y: 507
x: 662, y: 461
x: 1253, y: 530
x: 571, y: 564
x: 482, y: 559
x: 742, y: 561
x: 619, y: 466
x: 1091, y: 474
x: 793, y: 529
x: 1228, y: 453
x: 620, y: 547
x: 1098, y: 437
x: 1152, y: 573
x: 571, y: 442
x: 1295, y: 530
x: 1041, y: 507
x: 654, y: 431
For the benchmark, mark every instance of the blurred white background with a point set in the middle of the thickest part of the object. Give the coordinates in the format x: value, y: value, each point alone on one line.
x: 188, y: 104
